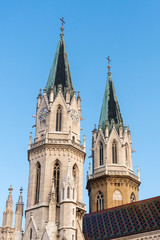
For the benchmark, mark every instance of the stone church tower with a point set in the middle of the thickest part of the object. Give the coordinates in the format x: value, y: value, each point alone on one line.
x: 112, y: 181
x: 54, y: 203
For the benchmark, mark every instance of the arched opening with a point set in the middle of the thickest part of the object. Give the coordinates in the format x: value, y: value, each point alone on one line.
x: 101, y: 153
x: 38, y: 177
x: 100, y: 201
x: 117, y: 198
x: 132, y: 197
x: 59, y: 119
x: 114, y: 152
x: 56, y: 175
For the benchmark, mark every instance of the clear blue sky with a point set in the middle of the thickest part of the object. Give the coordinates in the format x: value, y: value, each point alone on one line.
x: 127, y: 31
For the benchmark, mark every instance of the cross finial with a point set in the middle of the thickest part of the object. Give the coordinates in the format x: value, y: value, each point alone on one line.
x: 109, y: 67
x: 62, y: 28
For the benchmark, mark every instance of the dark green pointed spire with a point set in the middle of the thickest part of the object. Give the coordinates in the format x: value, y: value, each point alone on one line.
x: 60, y: 72
x: 110, y: 112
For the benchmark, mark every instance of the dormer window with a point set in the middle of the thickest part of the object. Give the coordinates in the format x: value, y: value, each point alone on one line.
x: 59, y: 119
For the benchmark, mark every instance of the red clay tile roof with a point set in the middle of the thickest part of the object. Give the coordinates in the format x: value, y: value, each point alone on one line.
x: 129, y: 219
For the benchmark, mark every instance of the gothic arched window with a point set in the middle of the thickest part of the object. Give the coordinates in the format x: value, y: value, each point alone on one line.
x: 101, y: 153
x: 117, y: 195
x: 132, y: 197
x: 73, y: 193
x: 59, y: 118
x: 114, y: 152
x: 100, y: 201
x: 68, y: 192
x: 56, y: 174
x: 38, y: 176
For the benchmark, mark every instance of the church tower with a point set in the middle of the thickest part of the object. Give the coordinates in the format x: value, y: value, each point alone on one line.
x: 112, y: 181
x: 56, y: 156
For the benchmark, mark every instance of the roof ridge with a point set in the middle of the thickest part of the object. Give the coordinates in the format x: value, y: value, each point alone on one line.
x: 125, y: 205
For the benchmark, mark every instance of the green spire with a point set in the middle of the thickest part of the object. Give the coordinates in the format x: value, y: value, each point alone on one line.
x: 60, y: 72
x: 110, y: 112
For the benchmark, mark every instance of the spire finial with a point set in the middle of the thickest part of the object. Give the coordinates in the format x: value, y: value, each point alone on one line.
x: 21, y: 190
x: 109, y: 67
x: 10, y: 189
x: 62, y: 28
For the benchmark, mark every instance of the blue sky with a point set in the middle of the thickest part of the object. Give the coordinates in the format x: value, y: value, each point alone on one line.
x: 127, y: 31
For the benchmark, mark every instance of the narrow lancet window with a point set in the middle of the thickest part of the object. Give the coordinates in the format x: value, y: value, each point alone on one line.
x: 59, y: 118
x: 56, y: 179
x: 100, y: 201
x: 101, y: 153
x: 126, y: 152
x: 68, y: 192
x: 38, y: 176
x: 114, y: 152
x: 30, y: 233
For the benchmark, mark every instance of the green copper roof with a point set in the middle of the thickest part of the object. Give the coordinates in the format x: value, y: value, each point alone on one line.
x: 60, y: 71
x: 110, y: 111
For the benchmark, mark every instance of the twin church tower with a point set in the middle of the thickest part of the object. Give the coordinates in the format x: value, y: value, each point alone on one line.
x: 55, y: 206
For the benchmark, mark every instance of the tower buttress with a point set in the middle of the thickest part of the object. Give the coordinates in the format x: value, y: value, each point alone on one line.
x: 68, y: 205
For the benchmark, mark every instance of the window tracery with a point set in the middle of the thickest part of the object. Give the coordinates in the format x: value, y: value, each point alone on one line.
x: 100, y: 201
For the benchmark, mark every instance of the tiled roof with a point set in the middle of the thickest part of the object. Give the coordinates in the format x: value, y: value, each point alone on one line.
x: 133, y: 218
